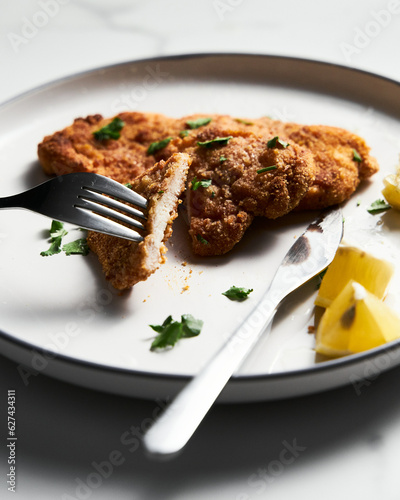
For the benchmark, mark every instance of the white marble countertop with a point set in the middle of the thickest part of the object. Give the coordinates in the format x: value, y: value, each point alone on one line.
x: 343, y: 444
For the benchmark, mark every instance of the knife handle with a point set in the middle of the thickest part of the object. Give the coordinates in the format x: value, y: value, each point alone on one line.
x: 170, y: 433
x: 312, y: 252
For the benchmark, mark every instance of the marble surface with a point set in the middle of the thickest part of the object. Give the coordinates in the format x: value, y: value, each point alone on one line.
x: 75, y: 443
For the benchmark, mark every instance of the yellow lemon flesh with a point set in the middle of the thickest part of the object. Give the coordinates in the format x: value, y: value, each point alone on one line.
x: 352, y: 263
x: 355, y: 321
x: 391, y: 191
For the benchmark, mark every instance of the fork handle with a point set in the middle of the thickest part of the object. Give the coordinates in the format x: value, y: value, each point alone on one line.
x: 176, y: 425
x: 15, y: 201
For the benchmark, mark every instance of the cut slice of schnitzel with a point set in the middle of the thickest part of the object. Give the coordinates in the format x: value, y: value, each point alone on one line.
x: 124, y: 262
x: 235, y: 175
x: 342, y: 160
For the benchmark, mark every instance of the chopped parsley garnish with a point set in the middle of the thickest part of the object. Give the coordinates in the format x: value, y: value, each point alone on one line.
x: 77, y: 247
x: 171, y: 331
x: 356, y: 156
x: 378, y: 206
x: 184, y: 133
x: 54, y: 249
x: 57, y: 232
x: 110, y: 131
x: 275, y: 141
x: 200, y: 122
x: 203, y: 183
x: 219, y: 141
x: 156, y: 146
x: 222, y: 158
x: 128, y: 185
x: 238, y: 294
x: 267, y: 169
x: 201, y: 239
x: 245, y: 122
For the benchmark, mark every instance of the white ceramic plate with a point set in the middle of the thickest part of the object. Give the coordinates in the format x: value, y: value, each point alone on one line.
x: 59, y: 316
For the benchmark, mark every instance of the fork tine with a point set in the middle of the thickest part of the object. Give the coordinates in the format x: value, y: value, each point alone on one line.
x: 111, y: 202
x: 62, y: 198
x: 90, y: 206
x: 113, y: 188
x: 100, y: 224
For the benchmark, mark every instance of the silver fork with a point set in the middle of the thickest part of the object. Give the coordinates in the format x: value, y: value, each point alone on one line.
x: 87, y: 200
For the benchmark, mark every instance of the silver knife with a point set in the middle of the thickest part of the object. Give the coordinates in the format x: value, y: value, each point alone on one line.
x: 311, y: 253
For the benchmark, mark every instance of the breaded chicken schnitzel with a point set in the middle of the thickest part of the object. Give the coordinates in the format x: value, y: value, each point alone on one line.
x: 124, y: 262
x: 235, y: 176
x: 342, y: 160
x: 338, y: 169
x: 218, y: 217
x: 241, y: 168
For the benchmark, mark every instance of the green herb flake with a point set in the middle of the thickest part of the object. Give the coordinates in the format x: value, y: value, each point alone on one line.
x: 56, y: 233
x: 219, y: 141
x: 275, y: 141
x: 238, y: 294
x: 171, y: 331
x: 110, y: 131
x: 378, y: 206
x: 245, y: 122
x: 128, y: 185
x: 222, y: 159
x: 202, y: 183
x: 356, y: 156
x: 266, y: 169
x: 184, y: 133
x: 77, y: 247
x: 54, y: 249
x: 57, y: 230
x: 191, y: 326
x: 200, y: 122
x: 157, y: 146
x: 201, y: 239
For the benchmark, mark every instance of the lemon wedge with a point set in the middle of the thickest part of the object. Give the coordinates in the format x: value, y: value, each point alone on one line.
x: 353, y: 263
x: 355, y: 322
x: 391, y: 191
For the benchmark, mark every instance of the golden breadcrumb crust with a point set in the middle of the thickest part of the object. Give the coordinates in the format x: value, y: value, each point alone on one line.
x: 239, y: 187
x: 75, y: 149
x: 337, y: 171
x: 316, y: 170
